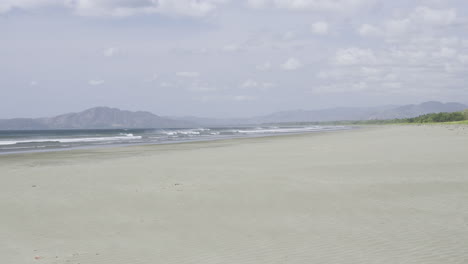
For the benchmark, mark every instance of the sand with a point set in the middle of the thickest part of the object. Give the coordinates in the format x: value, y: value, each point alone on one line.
x: 391, y: 194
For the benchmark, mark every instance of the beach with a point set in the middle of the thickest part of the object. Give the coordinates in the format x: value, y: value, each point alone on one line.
x: 386, y: 194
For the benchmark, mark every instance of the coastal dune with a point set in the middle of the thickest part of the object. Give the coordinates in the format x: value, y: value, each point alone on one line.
x: 389, y: 194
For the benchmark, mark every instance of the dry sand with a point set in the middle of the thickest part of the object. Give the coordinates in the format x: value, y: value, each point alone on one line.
x: 394, y: 194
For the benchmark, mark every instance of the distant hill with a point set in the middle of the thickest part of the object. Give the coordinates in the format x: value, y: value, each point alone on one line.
x: 105, y: 117
x: 363, y: 113
x: 331, y: 114
x: 335, y: 114
x: 99, y: 118
x: 412, y: 110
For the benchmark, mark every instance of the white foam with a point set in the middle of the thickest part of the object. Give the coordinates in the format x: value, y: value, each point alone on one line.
x: 182, y: 132
x: 71, y: 140
x: 281, y: 130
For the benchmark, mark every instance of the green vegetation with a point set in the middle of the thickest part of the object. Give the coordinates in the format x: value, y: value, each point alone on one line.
x: 437, y: 118
x: 452, y: 118
x: 446, y: 118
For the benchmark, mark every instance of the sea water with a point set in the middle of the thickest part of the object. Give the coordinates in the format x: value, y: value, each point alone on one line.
x: 49, y: 140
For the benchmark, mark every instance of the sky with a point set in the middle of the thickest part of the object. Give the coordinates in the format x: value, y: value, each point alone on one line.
x: 229, y: 58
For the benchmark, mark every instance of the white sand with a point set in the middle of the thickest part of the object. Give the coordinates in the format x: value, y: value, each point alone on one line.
x: 378, y: 195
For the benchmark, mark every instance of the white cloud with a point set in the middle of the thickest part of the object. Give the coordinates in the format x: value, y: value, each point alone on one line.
x: 289, y: 35
x: 320, y: 28
x: 224, y: 98
x: 95, y: 82
x: 424, y: 14
x: 392, y: 85
x: 249, y: 84
x: 397, y: 26
x: 445, y: 52
x: 109, y: 52
x: 121, y: 7
x: 359, y: 86
x: 370, y: 71
x: 354, y: 56
x: 463, y: 58
x: 188, y: 74
x: 368, y: 30
x: 153, y: 78
x: 231, y: 48
x: 264, y: 67
x: 33, y: 83
x: 258, y: 3
x: 166, y: 84
x: 329, y: 74
x: 131, y: 7
x: 312, y: 5
x: 243, y: 98
x: 8, y: 5
x: 202, y: 88
x: 291, y: 64
x: 255, y: 84
x: 418, y: 19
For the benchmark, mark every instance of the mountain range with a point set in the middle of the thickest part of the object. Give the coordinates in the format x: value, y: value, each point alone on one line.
x: 364, y: 113
x: 106, y: 117
x: 97, y: 118
x: 336, y: 114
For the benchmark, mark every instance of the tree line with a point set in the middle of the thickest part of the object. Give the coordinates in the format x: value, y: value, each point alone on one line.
x: 428, y: 118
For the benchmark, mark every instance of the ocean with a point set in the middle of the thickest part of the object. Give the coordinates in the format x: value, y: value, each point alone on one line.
x: 52, y: 140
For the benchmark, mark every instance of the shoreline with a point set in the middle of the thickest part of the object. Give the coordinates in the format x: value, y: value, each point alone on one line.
x: 119, y: 146
x: 373, y: 195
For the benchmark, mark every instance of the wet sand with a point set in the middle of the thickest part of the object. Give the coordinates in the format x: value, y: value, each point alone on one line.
x: 390, y: 194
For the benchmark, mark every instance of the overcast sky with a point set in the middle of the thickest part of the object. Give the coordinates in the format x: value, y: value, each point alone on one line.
x: 226, y: 58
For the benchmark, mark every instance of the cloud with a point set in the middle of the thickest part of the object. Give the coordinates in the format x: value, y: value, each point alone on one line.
x: 243, y: 98
x: 109, y: 52
x: 264, y: 66
x: 420, y: 18
x: 258, y: 3
x: 8, y: 5
x: 463, y: 58
x: 202, y: 88
x: 368, y: 30
x: 291, y: 64
x: 166, y: 84
x: 197, y: 86
x: 397, y: 26
x: 320, y: 28
x: 257, y: 85
x: 354, y: 56
x: 120, y: 8
x: 225, y: 98
x: 289, y: 35
x: 445, y: 52
x: 312, y: 5
x: 231, y: 48
x: 95, y: 82
x: 188, y: 74
x: 369, y: 71
x: 424, y: 14
x: 152, y: 78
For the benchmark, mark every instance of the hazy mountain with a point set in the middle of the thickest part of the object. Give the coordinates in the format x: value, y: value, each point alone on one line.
x: 407, y: 111
x: 331, y: 114
x: 214, y: 122
x: 98, y: 117
x: 105, y: 117
x: 335, y: 114
x: 355, y: 113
